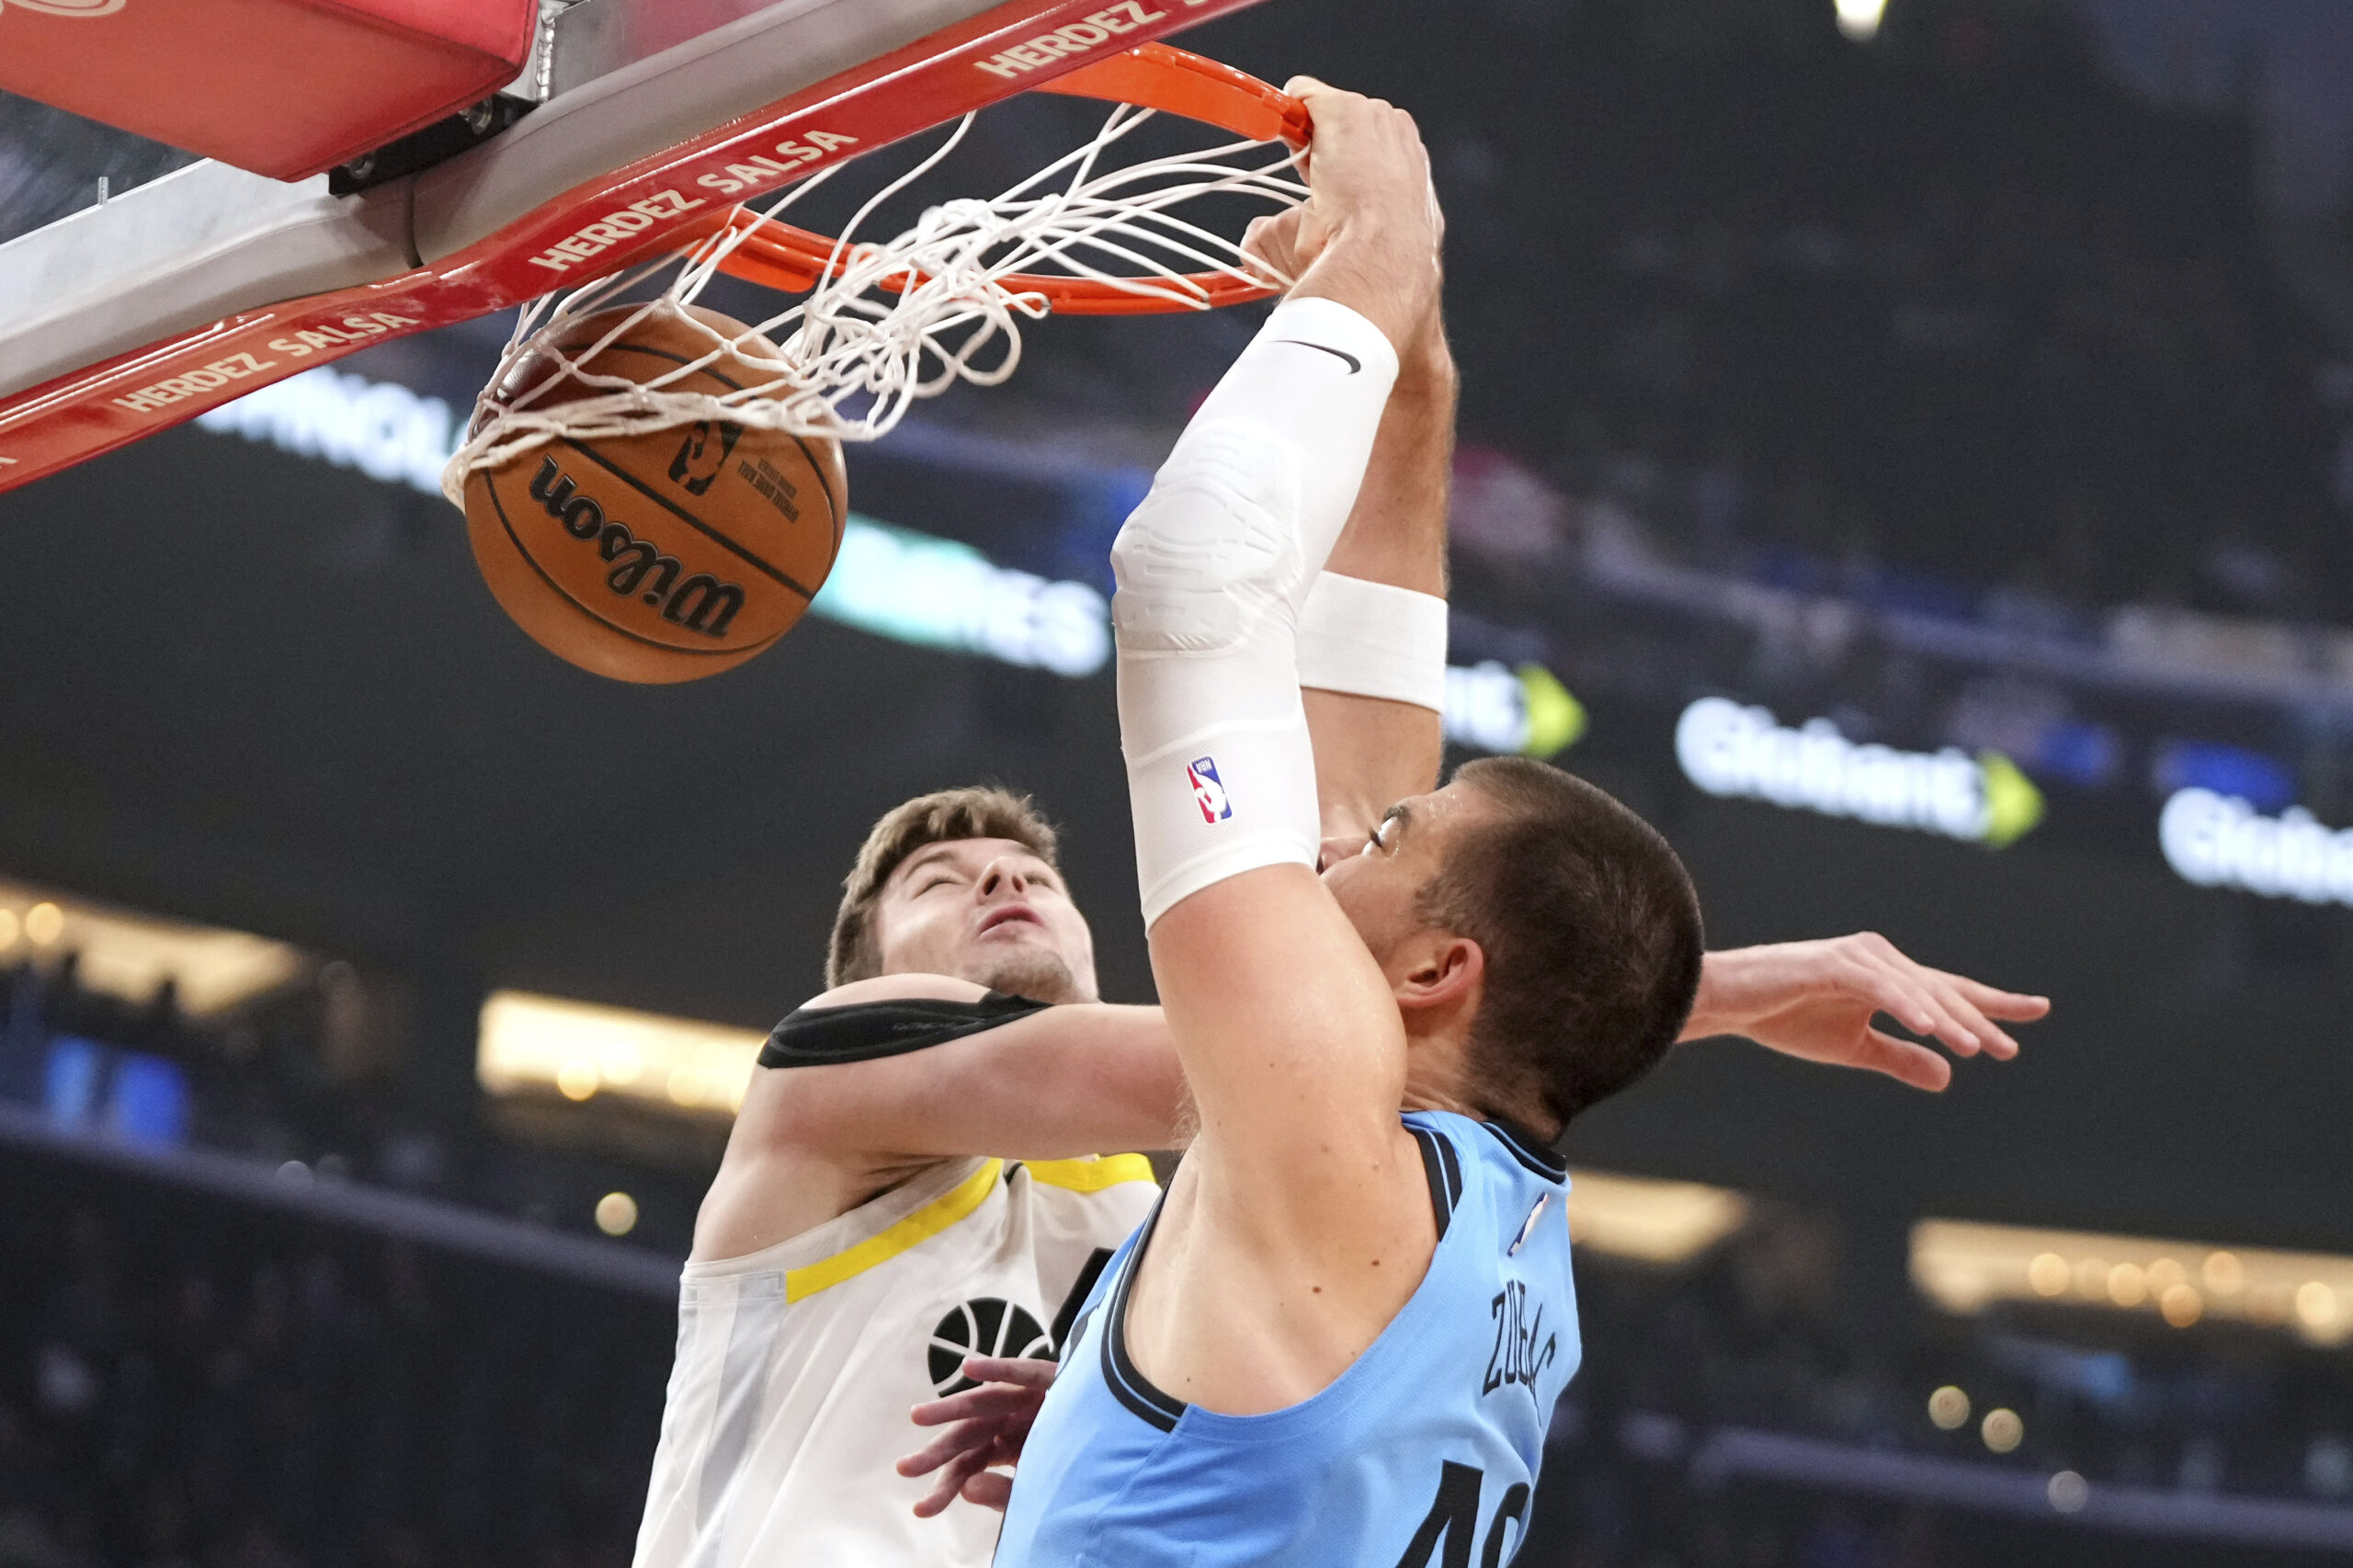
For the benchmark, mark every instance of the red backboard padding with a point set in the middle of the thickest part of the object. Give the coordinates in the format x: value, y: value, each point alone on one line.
x: 282, y: 87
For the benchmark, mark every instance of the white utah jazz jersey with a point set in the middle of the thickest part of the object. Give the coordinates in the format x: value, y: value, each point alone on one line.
x: 797, y: 1365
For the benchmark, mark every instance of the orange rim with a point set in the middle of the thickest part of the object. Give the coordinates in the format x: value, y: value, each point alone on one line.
x: 1151, y: 75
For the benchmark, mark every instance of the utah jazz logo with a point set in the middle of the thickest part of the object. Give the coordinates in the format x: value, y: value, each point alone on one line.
x: 986, y: 1327
x: 703, y: 455
x: 1208, y: 790
x: 702, y: 603
x: 67, y: 7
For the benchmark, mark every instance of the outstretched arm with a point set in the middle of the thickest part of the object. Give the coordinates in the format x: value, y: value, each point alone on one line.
x: 814, y: 1141
x: 1092, y: 1078
x: 1081, y: 1078
x: 1816, y: 1001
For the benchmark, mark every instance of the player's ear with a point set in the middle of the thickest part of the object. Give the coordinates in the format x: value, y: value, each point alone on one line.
x: 1442, y: 970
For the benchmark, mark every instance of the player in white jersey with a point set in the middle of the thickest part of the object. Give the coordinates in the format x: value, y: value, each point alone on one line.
x: 912, y: 1175
x: 851, y: 1251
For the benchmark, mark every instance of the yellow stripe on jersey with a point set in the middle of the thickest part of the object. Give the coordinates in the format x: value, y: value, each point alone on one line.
x: 924, y: 1223
x: 1090, y: 1176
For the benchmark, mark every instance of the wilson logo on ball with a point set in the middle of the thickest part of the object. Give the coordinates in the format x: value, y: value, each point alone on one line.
x: 701, y: 603
x: 664, y: 554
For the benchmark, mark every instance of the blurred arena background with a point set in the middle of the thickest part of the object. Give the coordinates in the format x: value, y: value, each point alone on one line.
x: 1907, y: 453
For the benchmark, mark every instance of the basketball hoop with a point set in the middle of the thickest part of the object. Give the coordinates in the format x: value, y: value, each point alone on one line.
x: 884, y: 323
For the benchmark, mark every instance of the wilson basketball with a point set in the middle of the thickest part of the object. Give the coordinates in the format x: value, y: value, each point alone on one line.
x: 665, y: 556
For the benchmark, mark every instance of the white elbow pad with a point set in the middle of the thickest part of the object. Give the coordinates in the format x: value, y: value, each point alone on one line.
x: 1214, y: 551
x: 1212, y: 571
x: 1373, y: 640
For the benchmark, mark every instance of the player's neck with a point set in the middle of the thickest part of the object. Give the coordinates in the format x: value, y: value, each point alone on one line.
x: 1435, y: 1079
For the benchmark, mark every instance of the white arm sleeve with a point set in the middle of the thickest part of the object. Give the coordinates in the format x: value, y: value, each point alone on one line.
x: 1212, y: 571
x: 1373, y: 640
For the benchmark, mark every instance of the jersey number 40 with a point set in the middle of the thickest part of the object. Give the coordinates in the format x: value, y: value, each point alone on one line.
x: 1454, y: 1517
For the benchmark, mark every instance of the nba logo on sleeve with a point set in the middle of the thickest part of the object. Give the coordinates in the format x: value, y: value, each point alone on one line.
x: 1208, y: 791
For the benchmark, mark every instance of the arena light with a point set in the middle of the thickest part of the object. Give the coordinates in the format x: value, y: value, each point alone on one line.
x: 1649, y: 1220
x: 581, y: 1051
x: 1860, y: 19
x: 1727, y: 748
x: 130, y: 956
x: 1968, y: 1267
x: 616, y: 1213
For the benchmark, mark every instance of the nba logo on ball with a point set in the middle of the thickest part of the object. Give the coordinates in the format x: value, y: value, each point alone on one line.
x: 1209, y: 791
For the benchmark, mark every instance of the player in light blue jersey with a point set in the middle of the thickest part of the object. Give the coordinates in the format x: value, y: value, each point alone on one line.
x: 1340, y: 1335
x: 1422, y: 1451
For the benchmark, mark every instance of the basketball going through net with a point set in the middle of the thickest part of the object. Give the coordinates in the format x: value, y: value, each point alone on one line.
x: 655, y: 491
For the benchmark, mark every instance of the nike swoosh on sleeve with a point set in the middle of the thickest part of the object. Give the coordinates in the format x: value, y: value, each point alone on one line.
x: 1351, y: 361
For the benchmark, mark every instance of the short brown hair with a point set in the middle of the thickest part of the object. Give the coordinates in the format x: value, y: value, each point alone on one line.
x: 1590, y: 929
x: 981, y: 810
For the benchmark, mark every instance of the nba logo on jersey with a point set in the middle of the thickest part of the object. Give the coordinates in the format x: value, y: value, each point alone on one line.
x: 1209, y: 791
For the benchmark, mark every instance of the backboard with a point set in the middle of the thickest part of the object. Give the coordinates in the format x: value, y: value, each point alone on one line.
x: 650, y: 119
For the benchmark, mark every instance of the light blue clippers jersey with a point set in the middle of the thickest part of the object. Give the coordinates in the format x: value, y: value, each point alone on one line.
x: 1423, y: 1452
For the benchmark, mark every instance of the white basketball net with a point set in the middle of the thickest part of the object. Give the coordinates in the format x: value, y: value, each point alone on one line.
x: 851, y: 357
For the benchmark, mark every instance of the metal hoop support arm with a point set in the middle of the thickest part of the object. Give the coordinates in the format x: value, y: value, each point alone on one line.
x: 573, y: 237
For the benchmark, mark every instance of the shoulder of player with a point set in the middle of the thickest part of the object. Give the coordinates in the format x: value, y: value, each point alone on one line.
x: 1352, y: 1190
x: 895, y: 1014
x: 897, y: 988
x: 1334, y: 1198
x: 888, y: 1016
